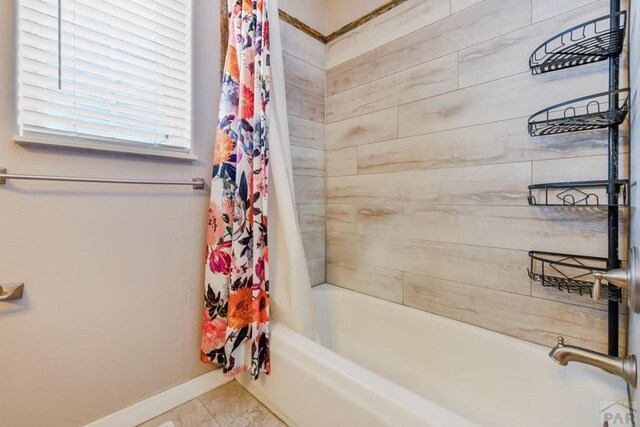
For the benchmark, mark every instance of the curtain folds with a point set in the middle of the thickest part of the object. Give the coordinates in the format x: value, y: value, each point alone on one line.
x: 236, y: 311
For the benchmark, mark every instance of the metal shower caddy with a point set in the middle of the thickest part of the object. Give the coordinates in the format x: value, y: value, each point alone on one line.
x: 597, y: 40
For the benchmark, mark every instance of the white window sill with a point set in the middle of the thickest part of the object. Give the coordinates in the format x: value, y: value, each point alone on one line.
x: 95, y: 145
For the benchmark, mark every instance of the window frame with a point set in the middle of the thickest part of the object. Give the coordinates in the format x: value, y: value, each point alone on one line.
x: 108, y: 145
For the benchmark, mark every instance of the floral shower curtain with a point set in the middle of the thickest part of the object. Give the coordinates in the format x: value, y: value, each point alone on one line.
x: 236, y: 312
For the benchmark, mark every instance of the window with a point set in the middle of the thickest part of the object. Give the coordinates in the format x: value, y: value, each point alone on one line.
x: 107, y: 72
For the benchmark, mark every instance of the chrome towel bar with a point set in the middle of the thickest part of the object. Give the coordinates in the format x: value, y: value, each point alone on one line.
x: 196, y: 183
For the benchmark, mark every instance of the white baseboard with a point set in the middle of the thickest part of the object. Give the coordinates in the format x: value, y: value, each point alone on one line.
x: 163, y: 402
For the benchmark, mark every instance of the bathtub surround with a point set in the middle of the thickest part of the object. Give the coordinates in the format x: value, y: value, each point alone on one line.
x: 305, y: 92
x: 343, y: 13
x: 428, y: 163
x: 306, y: 80
x: 361, y: 19
x: 406, y: 18
x: 291, y: 302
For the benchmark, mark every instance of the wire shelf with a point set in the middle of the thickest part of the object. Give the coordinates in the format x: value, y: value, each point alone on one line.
x: 593, y: 41
x: 570, y: 273
x: 584, y: 193
x: 580, y: 114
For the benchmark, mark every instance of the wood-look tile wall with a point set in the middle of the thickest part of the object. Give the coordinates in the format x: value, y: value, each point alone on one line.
x: 305, y: 80
x: 428, y: 162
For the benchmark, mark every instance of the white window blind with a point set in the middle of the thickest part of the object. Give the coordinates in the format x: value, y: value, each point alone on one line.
x: 120, y: 72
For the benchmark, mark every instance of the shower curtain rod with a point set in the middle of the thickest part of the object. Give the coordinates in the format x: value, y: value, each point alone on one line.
x: 196, y: 183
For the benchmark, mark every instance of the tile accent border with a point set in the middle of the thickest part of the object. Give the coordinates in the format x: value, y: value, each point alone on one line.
x: 363, y: 20
x: 302, y: 26
x: 308, y: 29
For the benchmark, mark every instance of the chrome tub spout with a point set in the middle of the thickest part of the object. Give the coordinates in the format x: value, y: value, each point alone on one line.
x: 624, y: 367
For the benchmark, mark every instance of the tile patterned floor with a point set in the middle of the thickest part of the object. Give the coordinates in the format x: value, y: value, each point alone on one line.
x: 227, y: 406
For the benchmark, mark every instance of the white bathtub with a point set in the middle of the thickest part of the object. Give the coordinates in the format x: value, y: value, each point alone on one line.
x: 383, y: 364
